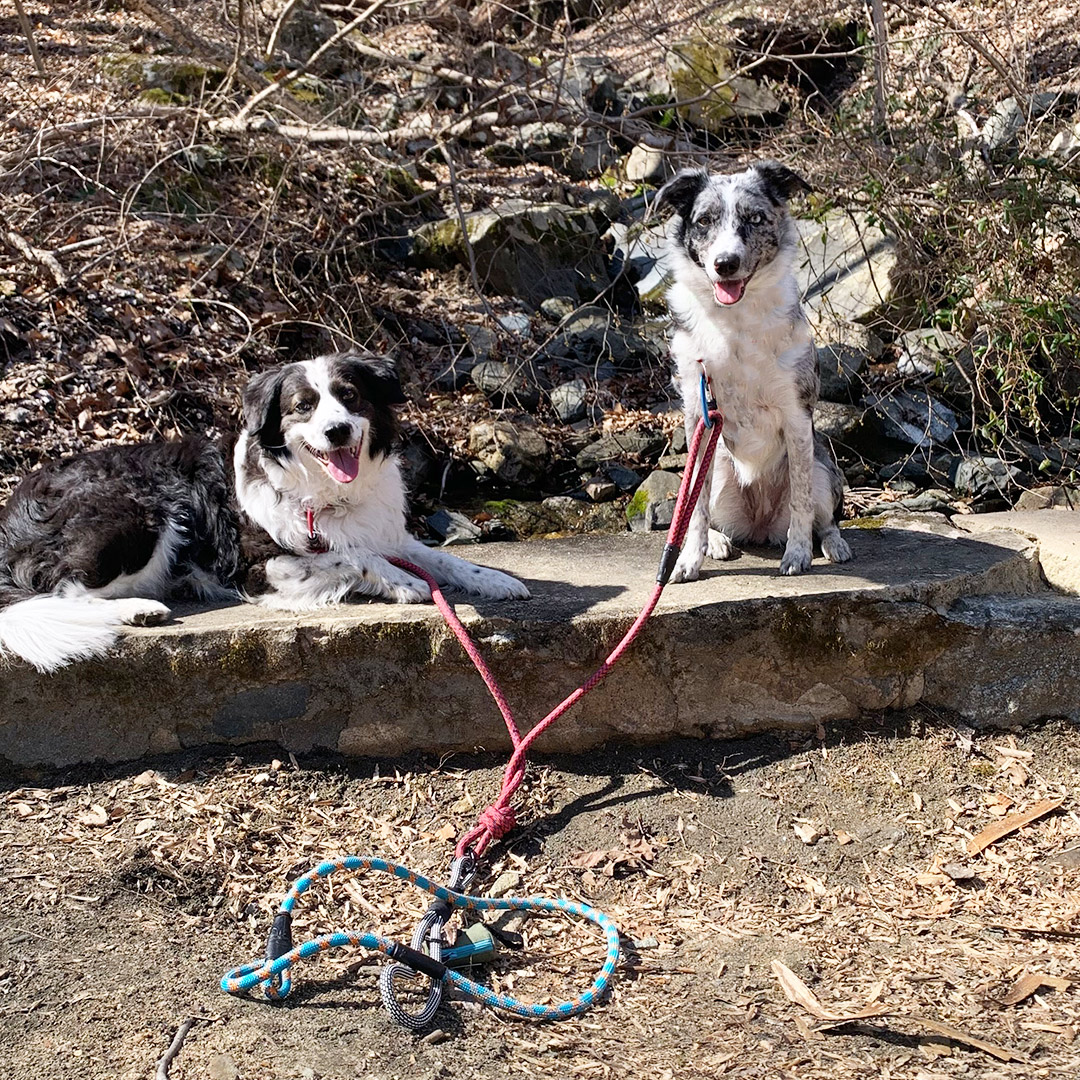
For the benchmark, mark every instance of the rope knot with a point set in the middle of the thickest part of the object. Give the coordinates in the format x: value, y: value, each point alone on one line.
x: 498, y: 820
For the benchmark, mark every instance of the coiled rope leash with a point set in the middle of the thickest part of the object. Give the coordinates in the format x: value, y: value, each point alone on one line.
x: 424, y: 956
x: 272, y: 974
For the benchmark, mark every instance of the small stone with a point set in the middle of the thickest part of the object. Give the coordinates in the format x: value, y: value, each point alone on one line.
x: 514, y: 453
x: 647, y: 165
x: 925, y: 352
x: 557, y: 308
x: 983, y: 476
x: 453, y: 528
x: 653, y: 503
x: 568, y: 400
x: 516, y: 323
x: 504, y: 384
x: 504, y: 884
x: 1049, y: 497
x: 840, y: 365
x: 841, y: 423
x: 959, y: 873
x: 600, y: 490
x: 222, y: 1067
x: 634, y: 443
x: 626, y: 479
x: 481, y: 340
x: 432, y: 1038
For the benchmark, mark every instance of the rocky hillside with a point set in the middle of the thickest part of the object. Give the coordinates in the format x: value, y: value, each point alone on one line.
x: 191, y: 192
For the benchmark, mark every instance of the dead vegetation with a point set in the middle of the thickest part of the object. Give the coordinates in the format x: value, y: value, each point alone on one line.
x: 815, y: 909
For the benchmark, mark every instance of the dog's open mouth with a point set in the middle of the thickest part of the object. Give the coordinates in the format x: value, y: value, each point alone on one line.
x: 730, y: 292
x: 342, y: 464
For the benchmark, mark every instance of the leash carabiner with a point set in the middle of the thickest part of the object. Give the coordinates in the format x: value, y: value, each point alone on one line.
x: 708, y: 401
x: 428, y: 939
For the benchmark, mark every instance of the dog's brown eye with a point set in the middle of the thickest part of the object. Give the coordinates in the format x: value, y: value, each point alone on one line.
x: 303, y: 407
x: 346, y: 394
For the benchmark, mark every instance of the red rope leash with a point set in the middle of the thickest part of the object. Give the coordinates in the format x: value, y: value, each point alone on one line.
x: 499, y: 818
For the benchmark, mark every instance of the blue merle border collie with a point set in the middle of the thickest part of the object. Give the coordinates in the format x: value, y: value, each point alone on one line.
x: 304, y: 510
x: 734, y: 304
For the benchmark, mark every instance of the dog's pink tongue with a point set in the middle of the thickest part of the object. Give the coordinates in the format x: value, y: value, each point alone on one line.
x: 343, y: 465
x: 729, y: 292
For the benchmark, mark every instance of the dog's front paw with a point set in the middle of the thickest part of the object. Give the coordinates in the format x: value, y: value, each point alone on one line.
x: 139, y: 612
x: 796, y: 559
x: 413, y: 592
x: 835, y: 548
x: 721, y: 548
x: 687, y: 568
x: 495, y: 585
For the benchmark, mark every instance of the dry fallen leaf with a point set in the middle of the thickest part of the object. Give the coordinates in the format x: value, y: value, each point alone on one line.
x: 801, y: 994
x: 1028, y: 983
x: 95, y: 817
x: 807, y: 833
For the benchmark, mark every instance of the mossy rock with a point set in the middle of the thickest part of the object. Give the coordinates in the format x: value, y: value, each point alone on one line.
x: 181, y: 79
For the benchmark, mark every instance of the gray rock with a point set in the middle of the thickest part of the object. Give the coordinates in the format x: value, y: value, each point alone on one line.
x: 983, y: 476
x: 840, y: 423
x: 931, y: 501
x: 576, y: 152
x: 514, y: 453
x: 1008, y: 118
x: 626, y: 445
x: 453, y: 528
x: 516, y: 323
x: 648, y: 165
x: 305, y: 30
x: 593, y: 82
x: 505, y: 384
x: 624, y: 479
x: 568, y: 400
x: 654, y: 502
x: 482, y: 341
x: 912, y: 417
x: 926, y: 352
x: 528, y: 250
x: 844, y: 267
x: 557, y: 308
x: 701, y: 74
x: 593, y: 335
x: 1049, y: 497
x: 639, y: 252
x: 600, y: 490
x: 840, y: 366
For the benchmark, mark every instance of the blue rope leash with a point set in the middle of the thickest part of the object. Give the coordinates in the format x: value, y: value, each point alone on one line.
x: 272, y: 975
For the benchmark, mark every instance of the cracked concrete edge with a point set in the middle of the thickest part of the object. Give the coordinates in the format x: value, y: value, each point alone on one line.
x: 1055, y: 534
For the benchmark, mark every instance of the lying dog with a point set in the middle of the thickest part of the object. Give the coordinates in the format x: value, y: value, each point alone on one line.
x: 734, y: 305
x: 307, y: 508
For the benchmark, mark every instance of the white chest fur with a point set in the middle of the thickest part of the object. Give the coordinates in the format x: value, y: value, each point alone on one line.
x: 751, y: 352
x: 365, y: 515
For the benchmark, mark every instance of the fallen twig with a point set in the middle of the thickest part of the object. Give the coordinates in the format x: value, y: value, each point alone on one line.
x: 37, y: 255
x: 1010, y: 824
x: 166, y: 1059
x: 28, y: 32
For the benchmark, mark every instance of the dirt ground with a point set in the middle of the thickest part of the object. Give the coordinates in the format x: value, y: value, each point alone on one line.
x: 128, y: 890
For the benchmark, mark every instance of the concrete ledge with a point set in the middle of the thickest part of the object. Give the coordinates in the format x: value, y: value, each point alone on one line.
x: 957, y: 621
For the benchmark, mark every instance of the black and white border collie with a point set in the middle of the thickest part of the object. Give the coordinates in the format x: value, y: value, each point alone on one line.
x: 305, y: 511
x: 734, y: 304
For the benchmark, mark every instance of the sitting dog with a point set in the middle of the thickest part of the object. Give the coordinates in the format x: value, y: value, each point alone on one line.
x: 736, y: 317
x: 306, y: 510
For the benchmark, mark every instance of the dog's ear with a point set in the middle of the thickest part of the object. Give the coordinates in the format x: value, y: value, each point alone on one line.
x: 262, y: 407
x: 780, y: 182
x: 681, y: 192
x: 377, y: 377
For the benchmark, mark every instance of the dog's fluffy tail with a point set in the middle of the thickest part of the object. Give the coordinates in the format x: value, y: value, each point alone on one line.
x: 50, y: 631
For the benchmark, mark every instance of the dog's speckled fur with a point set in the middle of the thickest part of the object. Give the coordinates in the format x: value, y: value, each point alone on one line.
x: 735, y: 308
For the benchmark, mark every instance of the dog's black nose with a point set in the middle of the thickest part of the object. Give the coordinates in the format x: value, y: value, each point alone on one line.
x: 726, y: 266
x: 338, y: 434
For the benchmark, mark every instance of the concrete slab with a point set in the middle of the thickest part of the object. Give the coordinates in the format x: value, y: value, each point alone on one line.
x: 1055, y: 532
x: 741, y: 650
